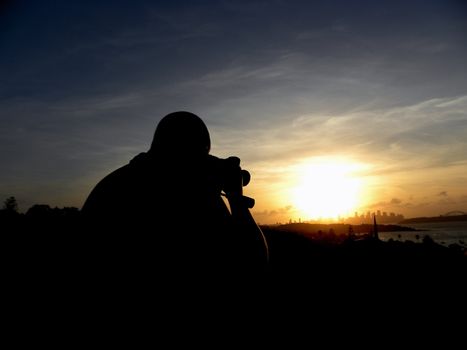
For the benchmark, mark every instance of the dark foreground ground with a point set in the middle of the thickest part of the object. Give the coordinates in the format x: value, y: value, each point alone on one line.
x: 61, y: 273
x: 316, y: 262
x: 362, y: 283
x: 362, y: 264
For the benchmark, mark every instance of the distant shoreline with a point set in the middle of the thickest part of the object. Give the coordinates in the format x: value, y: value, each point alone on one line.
x: 339, y: 229
x: 434, y: 219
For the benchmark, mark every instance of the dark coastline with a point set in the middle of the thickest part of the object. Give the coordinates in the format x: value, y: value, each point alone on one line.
x: 434, y: 219
x: 338, y: 229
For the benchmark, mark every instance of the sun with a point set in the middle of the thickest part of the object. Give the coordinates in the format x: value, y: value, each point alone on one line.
x: 327, y: 189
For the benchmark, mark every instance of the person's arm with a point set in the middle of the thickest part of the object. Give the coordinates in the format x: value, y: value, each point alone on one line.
x: 239, y: 206
x: 240, y: 209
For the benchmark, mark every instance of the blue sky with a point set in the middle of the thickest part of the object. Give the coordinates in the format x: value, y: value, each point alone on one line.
x: 279, y: 83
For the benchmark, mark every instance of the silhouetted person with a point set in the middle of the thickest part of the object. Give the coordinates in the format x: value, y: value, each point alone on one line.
x: 162, y: 215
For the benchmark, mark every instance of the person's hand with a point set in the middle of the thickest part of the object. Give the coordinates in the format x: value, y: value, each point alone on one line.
x: 233, y: 185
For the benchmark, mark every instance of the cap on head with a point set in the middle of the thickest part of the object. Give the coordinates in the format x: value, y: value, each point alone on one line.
x: 181, y: 133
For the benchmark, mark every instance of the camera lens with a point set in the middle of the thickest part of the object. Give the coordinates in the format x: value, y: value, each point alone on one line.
x: 246, y: 177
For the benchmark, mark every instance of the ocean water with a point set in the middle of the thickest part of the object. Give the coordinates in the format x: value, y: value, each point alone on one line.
x: 444, y: 233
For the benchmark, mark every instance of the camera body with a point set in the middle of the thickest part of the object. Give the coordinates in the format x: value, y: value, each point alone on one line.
x: 228, y: 174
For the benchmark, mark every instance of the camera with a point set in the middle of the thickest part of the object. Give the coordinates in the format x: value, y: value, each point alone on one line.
x: 229, y: 171
x: 230, y: 177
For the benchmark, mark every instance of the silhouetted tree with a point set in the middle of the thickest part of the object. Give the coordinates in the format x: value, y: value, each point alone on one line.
x: 428, y: 240
x: 10, y: 204
x: 39, y: 210
x: 9, y: 216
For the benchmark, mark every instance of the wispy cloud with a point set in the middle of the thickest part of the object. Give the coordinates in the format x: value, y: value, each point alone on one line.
x: 276, y: 82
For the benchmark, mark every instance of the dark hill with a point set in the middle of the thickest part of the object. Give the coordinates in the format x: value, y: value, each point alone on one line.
x: 434, y: 219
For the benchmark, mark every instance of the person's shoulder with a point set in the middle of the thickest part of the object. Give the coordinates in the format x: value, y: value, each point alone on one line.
x: 138, y: 164
x: 116, y: 175
x: 114, y: 182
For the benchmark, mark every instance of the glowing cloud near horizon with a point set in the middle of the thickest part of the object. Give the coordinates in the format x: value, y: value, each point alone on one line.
x: 327, y: 189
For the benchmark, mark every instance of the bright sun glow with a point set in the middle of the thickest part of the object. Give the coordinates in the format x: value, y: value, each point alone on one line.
x: 327, y: 189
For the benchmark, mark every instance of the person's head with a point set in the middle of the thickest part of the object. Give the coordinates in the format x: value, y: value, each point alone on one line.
x: 179, y: 134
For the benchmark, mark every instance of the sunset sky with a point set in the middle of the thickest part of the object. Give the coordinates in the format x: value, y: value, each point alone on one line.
x: 333, y: 106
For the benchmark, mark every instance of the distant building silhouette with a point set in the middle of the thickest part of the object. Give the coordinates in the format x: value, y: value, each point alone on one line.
x: 368, y: 218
